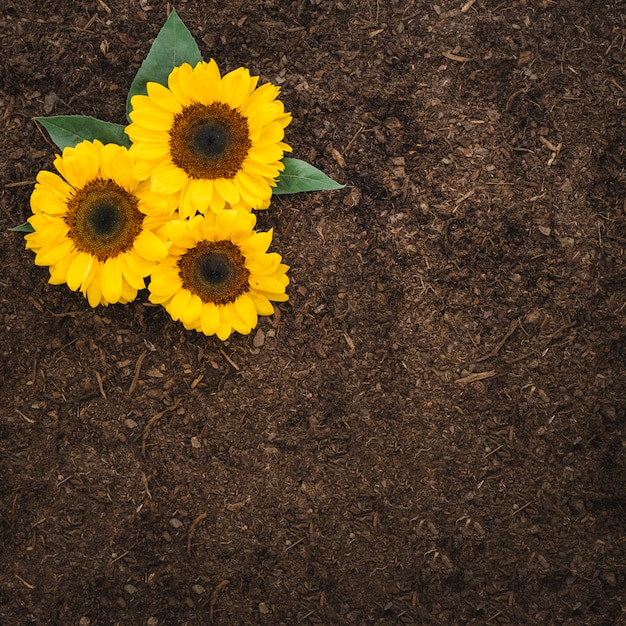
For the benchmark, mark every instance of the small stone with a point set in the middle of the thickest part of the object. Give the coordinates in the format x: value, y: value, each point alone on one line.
x: 129, y: 423
x: 259, y: 339
x: 263, y: 608
x: 130, y: 589
x: 84, y: 621
x: 545, y: 230
x: 199, y: 589
x: 152, y: 621
x: 195, y: 443
x: 175, y: 523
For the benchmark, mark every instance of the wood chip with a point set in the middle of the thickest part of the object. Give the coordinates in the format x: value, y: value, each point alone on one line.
x: 472, y: 378
x: 456, y: 57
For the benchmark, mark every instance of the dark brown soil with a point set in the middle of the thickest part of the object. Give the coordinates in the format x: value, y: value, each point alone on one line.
x: 431, y: 430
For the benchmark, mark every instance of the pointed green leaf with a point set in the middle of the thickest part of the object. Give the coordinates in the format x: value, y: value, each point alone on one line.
x: 173, y: 46
x: 68, y: 130
x: 22, y: 228
x: 301, y: 176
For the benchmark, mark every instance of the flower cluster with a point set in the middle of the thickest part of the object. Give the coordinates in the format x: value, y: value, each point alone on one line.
x: 171, y: 201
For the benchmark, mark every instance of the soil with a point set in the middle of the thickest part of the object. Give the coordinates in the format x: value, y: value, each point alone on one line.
x: 431, y: 430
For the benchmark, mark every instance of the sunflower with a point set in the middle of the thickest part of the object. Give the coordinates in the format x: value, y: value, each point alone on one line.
x: 94, y: 225
x: 213, y: 140
x: 218, y: 276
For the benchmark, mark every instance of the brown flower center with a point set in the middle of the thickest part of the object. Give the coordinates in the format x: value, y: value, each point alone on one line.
x: 209, y: 141
x: 215, y: 271
x: 104, y: 219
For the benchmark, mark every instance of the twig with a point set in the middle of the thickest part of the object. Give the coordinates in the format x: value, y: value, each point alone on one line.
x: 192, y: 530
x: 25, y: 583
x: 214, y: 595
x: 138, y: 365
x: 152, y: 421
x: 512, y: 328
x: 25, y: 417
x: 472, y: 378
x: 99, y: 379
x: 520, y: 509
x: 229, y: 359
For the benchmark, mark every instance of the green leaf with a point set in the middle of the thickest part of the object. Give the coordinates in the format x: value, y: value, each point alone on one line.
x: 173, y: 46
x: 301, y: 176
x: 22, y: 228
x: 68, y: 130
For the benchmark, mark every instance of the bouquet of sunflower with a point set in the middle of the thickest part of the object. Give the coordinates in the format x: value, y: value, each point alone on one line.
x: 170, y: 197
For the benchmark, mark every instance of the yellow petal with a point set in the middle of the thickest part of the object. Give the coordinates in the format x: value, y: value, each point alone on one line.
x: 192, y: 312
x: 149, y: 246
x: 238, y: 323
x: 78, y: 270
x: 150, y: 150
x: 153, y: 119
x: 206, y: 83
x: 162, y: 96
x: 265, y: 93
x: 52, y: 256
x: 258, y: 243
x: 244, y: 306
x: 179, y: 82
x: 130, y: 272
x: 168, y: 179
x: 201, y: 192
x: 51, y: 182
x: 209, y: 318
x: 179, y: 303
x: 225, y: 327
x: 94, y: 291
x: 236, y: 87
x: 225, y: 188
x: 262, y: 304
x: 112, y: 280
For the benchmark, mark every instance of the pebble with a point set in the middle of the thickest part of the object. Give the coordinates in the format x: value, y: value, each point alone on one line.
x: 130, y: 423
x: 199, y: 589
x: 130, y: 589
x: 175, y: 523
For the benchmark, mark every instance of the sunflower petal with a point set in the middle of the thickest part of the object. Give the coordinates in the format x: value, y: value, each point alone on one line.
x: 244, y: 306
x: 112, y: 280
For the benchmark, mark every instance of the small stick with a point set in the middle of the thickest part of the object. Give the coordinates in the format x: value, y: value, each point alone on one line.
x: 229, y: 359
x: 192, y: 530
x: 26, y: 584
x: 152, y: 421
x: 25, y: 417
x: 455, y: 57
x: 99, y: 379
x: 293, y: 545
x: 512, y: 328
x: 520, y: 509
x: 472, y: 378
x: 214, y: 595
x: 138, y: 365
x: 467, y: 6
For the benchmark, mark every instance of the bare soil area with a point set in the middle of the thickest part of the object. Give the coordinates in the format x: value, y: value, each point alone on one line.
x: 431, y: 430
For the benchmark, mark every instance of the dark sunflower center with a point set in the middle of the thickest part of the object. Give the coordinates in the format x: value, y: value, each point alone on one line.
x: 209, y: 141
x: 215, y: 271
x: 104, y: 219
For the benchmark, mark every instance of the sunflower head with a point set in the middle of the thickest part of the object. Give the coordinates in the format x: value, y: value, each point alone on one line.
x: 213, y: 140
x: 218, y: 276
x: 94, y: 225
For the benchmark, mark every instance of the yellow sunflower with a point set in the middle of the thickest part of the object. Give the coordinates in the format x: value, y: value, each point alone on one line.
x: 214, y: 140
x: 218, y: 276
x: 94, y: 225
